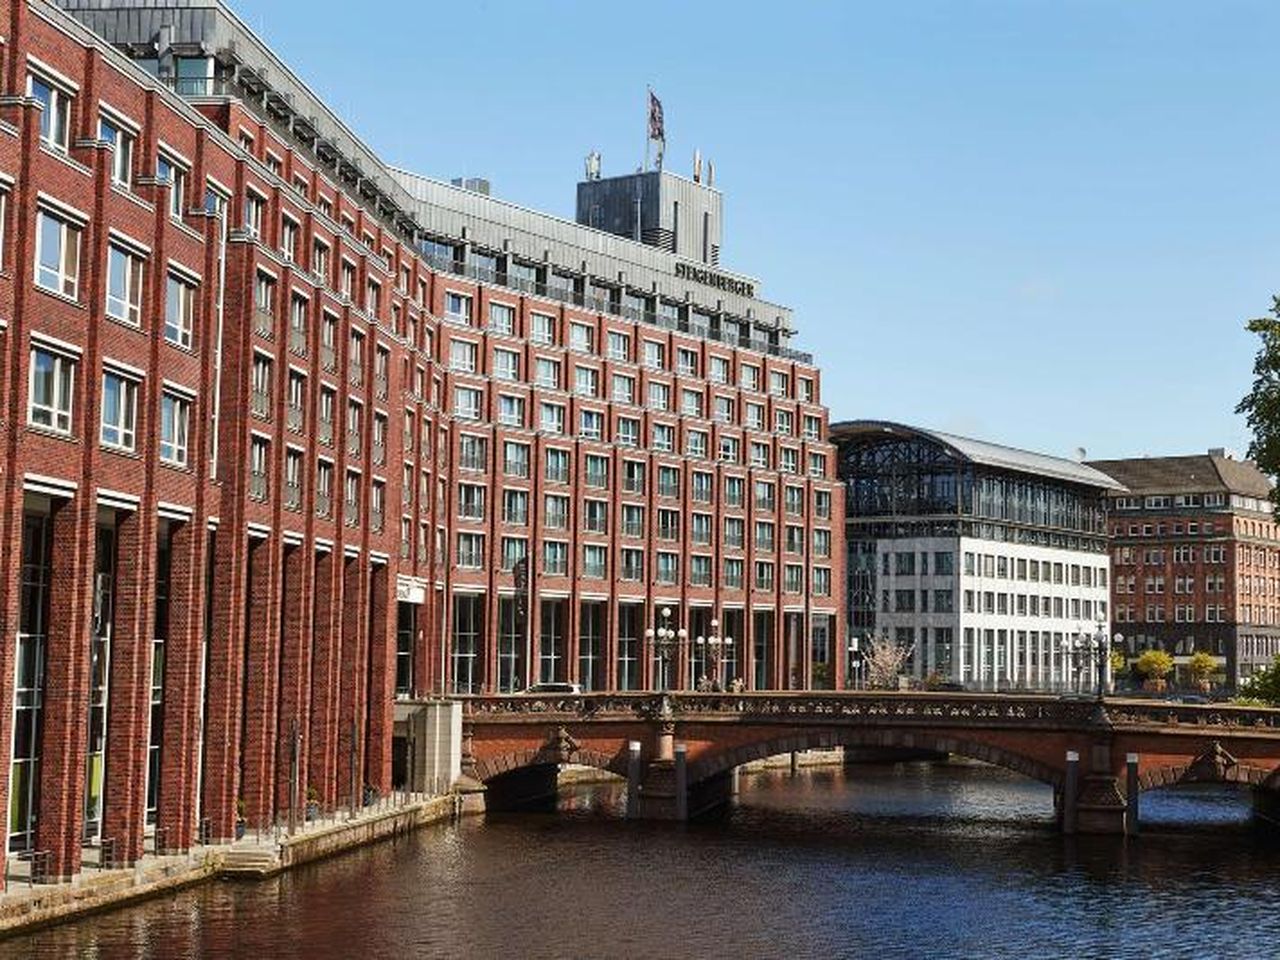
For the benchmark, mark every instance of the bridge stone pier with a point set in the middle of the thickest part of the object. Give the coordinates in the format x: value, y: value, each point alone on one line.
x: 679, y: 752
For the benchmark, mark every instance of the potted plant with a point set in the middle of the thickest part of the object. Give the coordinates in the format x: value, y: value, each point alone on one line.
x: 239, y: 818
x: 1201, y: 667
x: 313, y: 803
x: 1155, y: 666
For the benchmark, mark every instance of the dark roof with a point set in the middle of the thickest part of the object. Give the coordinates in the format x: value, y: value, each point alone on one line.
x: 1199, y: 473
x: 982, y: 452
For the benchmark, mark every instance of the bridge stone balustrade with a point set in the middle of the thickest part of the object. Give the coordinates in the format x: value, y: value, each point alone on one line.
x: 506, y: 738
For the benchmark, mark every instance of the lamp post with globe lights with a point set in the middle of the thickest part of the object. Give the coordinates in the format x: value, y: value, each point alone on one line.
x: 1094, y: 649
x: 665, y: 641
x: 713, y: 647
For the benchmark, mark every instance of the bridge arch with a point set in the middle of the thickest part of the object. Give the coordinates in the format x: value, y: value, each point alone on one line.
x: 718, y: 761
x: 490, y: 767
x: 1243, y: 773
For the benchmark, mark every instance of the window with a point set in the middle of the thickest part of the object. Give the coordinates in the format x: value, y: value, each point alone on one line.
x: 547, y: 373
x: 822, y: 543
x: 347, y: 279
x: 544, y: 329
x: 779, y: 384
x: 515, y: 459
x: 259, y: 451
x: 556, y: 511
x: 663, y: 437
x: 701, y: 487
x: 696, y: 443
x: 555, y: 558
x: 822, y: 504
x: 466, y: 403
x: 812, y: 427
x: 619, y: 346
x: 668, y: 525
x: 170, y: 172
x: 718, y: 370
x: 592, y: 425
x: 764, y: 575
x: 557, y: 466
x: 119, y: 411
x: 122, y: 142
x: 734, y: 491
x: 462, y: 356
x: 734, y: 532
x: 254, y: 208
x: 755, y: 416
x: 733, y: 573
x: 730, y: 448
x: 659, y: 396
x: 633, y: 476
x: 515, y: 507
x: 632, y: 564
x: 324, y: 488
x: 551, y: 418
x: 351, y: 498
x: 654, y: 354
x: 51, y: 390
x: 597, y: 470
x: 175, y: 420
x: 687, y: 362
x: 581, y: 338
x: 320, y: 258
x: 723, y: 411
x: 623, y: 389
x: 700, y: 528
x: 749, y: 377
x: 668, y: 482
x: 288, y: 238
x: 783, y: 422
x: 514, y: 549
x: 759, y: 454
x: 593, y: 561
x: 668, y: 567
x: 55, y: 118
x: 822, y: 582
x: 124, y: 285
x: 506, y: 365
x: 57, y: 254
x: 510, y: 410
x: 457, y: 307
x: 632, y: 520
x: 691, y: 403
x: 470, y: 551
x: 585, y: 381
x: 471, y: 501
x: 628, y: 432
x: 502, y: 319
x: 179, y: 305
x: 293, y: 479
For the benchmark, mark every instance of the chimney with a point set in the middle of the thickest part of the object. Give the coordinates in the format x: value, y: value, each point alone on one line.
x: 1222, y: 452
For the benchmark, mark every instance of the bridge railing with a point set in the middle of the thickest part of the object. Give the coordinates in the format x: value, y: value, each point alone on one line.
x: 912, y: 708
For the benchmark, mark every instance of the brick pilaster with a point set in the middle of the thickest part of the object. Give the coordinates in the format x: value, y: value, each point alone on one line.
x: 220, y: 782
x: 129, y: 693
x: 382, y: 678
x: 322, y: 742
x: 66, y: 692
x: 261, y: 657
x: 355, y: 620
x: 295, y: 670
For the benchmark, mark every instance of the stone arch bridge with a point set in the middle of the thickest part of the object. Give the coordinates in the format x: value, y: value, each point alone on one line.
x: 678, y: 750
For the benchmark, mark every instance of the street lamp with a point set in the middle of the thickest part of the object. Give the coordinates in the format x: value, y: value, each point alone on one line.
x: 855, y: 663
x: 712, y: 647
x: 1084, y: 648
x: 664, y: 640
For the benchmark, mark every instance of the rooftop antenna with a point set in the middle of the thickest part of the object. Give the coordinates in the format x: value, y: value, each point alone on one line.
x: 711, y: 174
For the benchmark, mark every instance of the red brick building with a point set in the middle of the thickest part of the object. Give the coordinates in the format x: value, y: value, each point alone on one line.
x: 1195, y: 560
x: 281, y: 425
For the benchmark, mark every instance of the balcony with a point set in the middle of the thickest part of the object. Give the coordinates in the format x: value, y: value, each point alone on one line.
x: 516, y: 468
x: 379, y: 452
x: 353, y: 443
x: 668, y: 489
x: 597, y: 479
x: 328, y: 358
x: 325, y: 432
x: 292, y: 496
x: 293, y: 418
x: 472, y: 462
x: 633, y: 484
x: 594, y: 524
x: 324, y: 504
x: 260, y: 404
x: 298, y: 341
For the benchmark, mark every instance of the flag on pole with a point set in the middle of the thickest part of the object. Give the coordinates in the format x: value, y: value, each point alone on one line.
x: 656, y: 131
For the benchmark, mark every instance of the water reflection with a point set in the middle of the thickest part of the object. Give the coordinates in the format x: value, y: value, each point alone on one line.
x: 912, y: 860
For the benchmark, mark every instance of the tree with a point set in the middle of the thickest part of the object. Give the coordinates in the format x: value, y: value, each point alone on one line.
x: 1264, y: 685
x: 1261, y: 407
x: 884, y: 659
x: 1155, y: 666
x: 1202, y: 666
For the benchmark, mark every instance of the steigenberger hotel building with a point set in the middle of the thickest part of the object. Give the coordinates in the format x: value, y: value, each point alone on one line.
x: 290, y: 434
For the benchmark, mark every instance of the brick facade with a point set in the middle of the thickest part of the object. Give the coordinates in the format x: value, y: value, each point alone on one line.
x: 281, y: 603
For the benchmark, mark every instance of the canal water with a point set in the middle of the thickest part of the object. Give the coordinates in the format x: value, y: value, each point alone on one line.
x: 880, y: 861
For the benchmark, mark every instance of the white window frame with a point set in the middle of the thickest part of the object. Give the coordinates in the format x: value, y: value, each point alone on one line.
x: 175, y: 408
x: 126, y: 426
x: 60, y: 418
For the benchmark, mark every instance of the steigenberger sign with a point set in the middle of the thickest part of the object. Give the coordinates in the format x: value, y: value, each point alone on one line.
x: 687, y: 271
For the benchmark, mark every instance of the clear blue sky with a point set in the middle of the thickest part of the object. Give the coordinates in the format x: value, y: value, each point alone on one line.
x: 1042, y: 224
